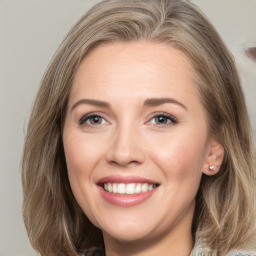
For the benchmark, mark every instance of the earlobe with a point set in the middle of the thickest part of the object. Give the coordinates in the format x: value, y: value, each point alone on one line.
x: 214, y: 158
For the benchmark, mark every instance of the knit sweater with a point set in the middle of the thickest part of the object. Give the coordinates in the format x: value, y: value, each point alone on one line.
x: 201, y: 249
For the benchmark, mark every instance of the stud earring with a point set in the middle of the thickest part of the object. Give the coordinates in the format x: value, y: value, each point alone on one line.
x: 212, y: 167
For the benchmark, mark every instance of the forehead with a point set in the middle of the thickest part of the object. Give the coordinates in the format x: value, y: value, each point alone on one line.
x: 134, y: 69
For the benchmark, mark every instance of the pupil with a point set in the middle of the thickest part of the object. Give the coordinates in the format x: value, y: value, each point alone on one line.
x: 161, y: 120
x: 95, y: 119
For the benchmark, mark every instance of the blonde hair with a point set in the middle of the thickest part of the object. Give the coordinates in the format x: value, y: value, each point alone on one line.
x: 225, y: 204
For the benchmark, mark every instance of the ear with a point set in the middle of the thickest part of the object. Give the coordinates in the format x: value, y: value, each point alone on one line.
x: 214, y: 157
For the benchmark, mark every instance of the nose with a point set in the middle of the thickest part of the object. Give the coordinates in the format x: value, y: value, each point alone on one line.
x: 126, y: 148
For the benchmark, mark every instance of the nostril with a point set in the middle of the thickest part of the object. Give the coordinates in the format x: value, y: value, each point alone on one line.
x: 251, y: 53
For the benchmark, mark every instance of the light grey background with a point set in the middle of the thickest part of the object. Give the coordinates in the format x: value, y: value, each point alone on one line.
x: 30, y: 32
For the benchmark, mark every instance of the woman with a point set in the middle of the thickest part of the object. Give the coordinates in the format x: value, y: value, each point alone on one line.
x: 139, y: 142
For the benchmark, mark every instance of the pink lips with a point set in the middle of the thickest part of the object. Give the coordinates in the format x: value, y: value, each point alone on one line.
x: 124, y: 200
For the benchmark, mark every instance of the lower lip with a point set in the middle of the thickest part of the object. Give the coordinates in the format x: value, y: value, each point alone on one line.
x: 125, y: 200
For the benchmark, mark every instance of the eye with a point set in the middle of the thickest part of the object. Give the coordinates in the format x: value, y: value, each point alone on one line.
x: 92, y: 120
x: 163, y: 120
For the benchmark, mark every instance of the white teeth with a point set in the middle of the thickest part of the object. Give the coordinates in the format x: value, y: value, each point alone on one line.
x: 129, y: 189
x: 144, y: 187
x: 120, y: 188
x: 110, y: 187
x: 114, y: 188
x: 138, y: 189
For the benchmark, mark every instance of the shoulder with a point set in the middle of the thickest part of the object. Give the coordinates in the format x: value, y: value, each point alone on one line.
x: 201, y: 249
x: 207, y: 252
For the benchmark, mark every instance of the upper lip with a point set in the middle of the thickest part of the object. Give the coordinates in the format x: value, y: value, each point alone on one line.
x: 125, y: 179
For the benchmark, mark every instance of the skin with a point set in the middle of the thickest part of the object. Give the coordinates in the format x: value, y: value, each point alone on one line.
x: 129, y: 140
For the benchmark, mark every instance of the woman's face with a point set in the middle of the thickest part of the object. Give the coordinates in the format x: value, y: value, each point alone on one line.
x: 136, y: 140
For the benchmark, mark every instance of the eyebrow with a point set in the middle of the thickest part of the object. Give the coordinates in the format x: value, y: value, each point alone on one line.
x: 152, y: 102
x: 91, y: 102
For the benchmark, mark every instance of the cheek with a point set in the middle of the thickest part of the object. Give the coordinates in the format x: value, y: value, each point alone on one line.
x: 181, y: 155
x: 74, y: 156
x: 76, y: 163
x: 81, y: 156
x: 81, y: 160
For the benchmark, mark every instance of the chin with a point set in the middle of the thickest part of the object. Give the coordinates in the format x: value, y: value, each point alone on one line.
x: 128, y: 234
x: 127, y: 227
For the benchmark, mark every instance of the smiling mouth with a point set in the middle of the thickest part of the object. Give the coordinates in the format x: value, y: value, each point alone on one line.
x: 129, y: 188
x: 126, y: 191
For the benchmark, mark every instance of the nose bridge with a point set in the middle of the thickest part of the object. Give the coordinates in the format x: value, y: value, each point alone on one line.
x: 126, y: 146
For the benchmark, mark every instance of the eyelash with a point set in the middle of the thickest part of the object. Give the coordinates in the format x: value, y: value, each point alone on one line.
x: 85, y: 118
x: 172, y: 119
